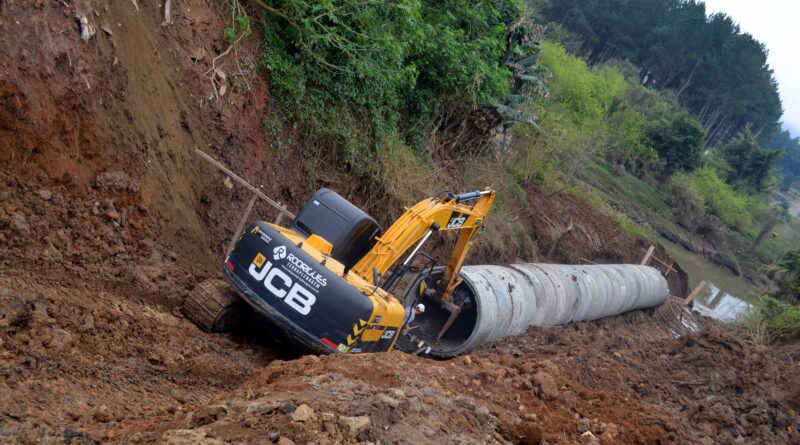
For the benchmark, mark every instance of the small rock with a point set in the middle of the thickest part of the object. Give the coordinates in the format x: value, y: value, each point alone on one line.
x: 285, y: 441
x: 45, y: 194
x: 273, y: 436
x: 547, y: 389
x: 355, y: 425
x: 588, y: 438
x: 112, y: 214
x: 388, y: 400
x: 482, y: 414
x: 262, y: 406
x: 15, y: 313
x: 399, y: 393
x: 19, y: 225
x: 88, y: 324
x: 328, y: 423
x: 60, y: 340
x: 102, y: 414
x: 188, y: 437
x: 303, y: 413
x: 208, y: 414
x: 288, y: 408
x: 584, y: 425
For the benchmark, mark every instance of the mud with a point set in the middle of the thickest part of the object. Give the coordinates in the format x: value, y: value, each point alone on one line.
x: 107, y: 221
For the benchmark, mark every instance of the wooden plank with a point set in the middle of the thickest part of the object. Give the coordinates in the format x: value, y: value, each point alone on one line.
x: 168, y: 11
x: 244, y: 183
x: 243, y: 221
x: 650, y: 251
x: 694, y: 293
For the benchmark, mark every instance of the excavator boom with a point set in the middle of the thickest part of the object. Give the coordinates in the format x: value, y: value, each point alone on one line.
x: 463, y: 212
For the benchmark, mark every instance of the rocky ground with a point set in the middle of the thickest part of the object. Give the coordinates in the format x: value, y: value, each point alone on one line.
x: 108, y: 220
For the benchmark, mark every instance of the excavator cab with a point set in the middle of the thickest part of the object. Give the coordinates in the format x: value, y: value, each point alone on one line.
x: 327, y: 279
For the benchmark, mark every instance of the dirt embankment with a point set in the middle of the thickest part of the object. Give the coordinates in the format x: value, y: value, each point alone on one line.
x: 107, y: 220
x: 620, y: 380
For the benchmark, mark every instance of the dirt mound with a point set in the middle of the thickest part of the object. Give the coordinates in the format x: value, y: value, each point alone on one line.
x: 619, y: 380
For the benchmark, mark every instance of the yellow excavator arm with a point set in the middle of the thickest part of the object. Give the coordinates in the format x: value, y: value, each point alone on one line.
x: 464, y: 212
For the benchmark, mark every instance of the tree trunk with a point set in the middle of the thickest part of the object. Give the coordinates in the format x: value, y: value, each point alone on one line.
x: 772, y: 220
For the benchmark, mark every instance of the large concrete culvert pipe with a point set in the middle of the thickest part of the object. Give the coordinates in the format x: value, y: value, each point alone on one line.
x: 500, y: 301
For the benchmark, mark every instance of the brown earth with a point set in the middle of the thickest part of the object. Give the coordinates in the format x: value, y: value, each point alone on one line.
x: 108, y: 219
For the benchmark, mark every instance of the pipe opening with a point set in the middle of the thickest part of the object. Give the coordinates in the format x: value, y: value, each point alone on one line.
x: 423, y: 331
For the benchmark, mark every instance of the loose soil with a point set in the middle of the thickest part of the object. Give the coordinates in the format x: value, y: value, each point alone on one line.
x: 108, y: 220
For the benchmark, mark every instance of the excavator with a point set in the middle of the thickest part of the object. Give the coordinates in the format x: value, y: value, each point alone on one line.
x: 329, y: 279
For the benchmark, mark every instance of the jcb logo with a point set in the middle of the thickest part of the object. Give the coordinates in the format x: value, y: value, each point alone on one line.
x: 457, y: 221
x: 280, y: 284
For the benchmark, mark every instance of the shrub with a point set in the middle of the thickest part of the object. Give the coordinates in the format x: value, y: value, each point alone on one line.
x: 350, y: 75
x: 678, y: 139
x: 685, y: 199
x: 721, y: 200
x: 770, y: 321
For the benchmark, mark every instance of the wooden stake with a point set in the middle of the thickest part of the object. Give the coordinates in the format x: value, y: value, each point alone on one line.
x: 648, y: 255
x: 168, y: 11
x: 244, y: 183
x: 239, y: 229
x: 694, y: 293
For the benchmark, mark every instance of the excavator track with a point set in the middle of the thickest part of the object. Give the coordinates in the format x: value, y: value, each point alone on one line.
x: 213, y: 306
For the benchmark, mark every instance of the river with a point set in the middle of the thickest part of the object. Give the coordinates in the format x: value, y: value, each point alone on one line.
x: 725, y: 296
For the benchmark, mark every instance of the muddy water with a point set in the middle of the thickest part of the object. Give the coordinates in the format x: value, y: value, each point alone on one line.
x: 725, y: 296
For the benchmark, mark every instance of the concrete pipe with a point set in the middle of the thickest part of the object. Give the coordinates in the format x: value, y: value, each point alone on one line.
x: 499, y: 301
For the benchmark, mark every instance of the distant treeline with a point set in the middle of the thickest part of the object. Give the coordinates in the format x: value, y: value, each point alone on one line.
x: 789, y: 163
x: 719, y: 73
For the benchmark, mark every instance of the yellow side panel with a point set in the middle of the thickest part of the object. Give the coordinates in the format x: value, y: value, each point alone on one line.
x: 372, y: 334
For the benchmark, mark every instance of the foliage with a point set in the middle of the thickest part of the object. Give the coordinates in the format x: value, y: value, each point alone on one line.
x: 789, y: 277
x: 240, y: 23
x: 587, y: 94
x: 789, y: 163
x: 750, y: 163
x: 771, y: 320
x: 685, y: 199
x: 720, y: 73
x: 352, y: 74
x: 678, y: 139
x: 703, y: 188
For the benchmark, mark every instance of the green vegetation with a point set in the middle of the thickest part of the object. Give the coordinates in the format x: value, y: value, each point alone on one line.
x: 789, y: 163
x: 753, y: 162
x: 350, y: 76
x: 771, y: 321
x: 720, y: 73
x: 678, y: 139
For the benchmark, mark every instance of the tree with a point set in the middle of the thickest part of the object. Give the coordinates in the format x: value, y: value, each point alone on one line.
x: 751, y: 164
x: 789, y: 163
x: 678, y: 139
x: 719, y: 73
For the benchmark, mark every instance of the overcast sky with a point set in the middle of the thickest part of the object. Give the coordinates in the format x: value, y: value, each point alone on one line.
x: 776, y: 23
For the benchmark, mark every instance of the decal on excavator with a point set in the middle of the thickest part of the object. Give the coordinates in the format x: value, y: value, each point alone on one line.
x: 457, y: 220
x: 281, y: 285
